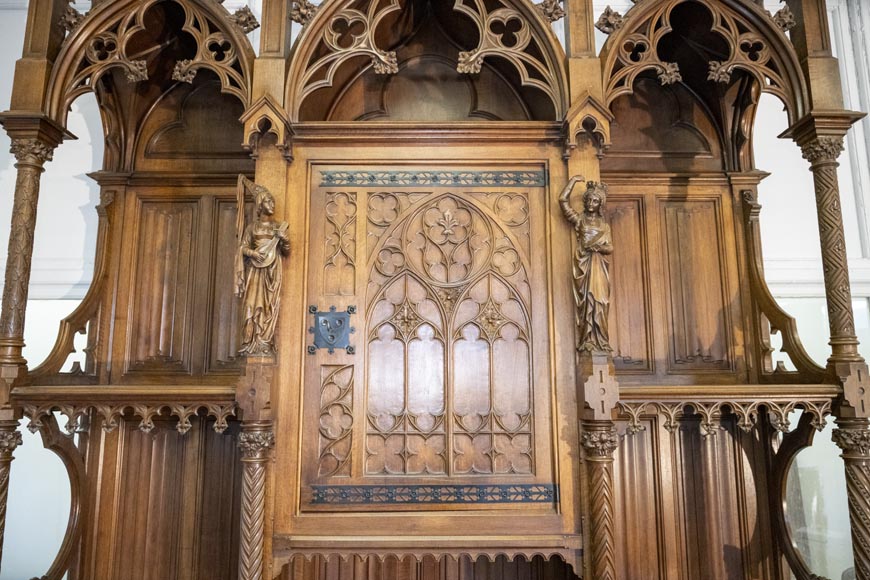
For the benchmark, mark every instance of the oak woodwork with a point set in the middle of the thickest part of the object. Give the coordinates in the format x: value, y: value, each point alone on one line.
x: 415, y: 151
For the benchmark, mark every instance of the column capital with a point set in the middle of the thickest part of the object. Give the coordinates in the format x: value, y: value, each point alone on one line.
x: 9, y: 441
x: 822, y: 149
x: 30, y: 151
x: 852, y: 436
x: 599, y: 439
x: 821, y: 125
x: 256, y: 440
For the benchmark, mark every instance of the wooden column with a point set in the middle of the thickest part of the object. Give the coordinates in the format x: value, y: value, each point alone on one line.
x: 853, y: 437
x: 31, y: 154
x: 255, y: 442
x: 599, y: 440
x: 10, y: 438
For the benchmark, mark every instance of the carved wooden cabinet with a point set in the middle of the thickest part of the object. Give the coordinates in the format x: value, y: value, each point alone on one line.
x: 422, y: 409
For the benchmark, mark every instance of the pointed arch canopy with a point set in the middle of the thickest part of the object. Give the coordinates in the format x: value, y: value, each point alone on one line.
x: 755, y: 43
x: 101, y: 44
x: 514, y: 32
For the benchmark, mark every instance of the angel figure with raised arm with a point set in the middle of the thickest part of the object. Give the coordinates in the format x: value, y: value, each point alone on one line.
x: 591, y: 265
x: 262, y: 245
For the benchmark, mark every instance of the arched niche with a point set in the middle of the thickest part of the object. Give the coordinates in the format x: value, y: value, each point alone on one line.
x: 725, y: 53
x: 134, y: 54
x: 427, y: 60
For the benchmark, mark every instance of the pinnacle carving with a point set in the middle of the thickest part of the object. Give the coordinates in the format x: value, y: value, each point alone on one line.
x: 245, y: 20
x: 31, y: 151
x: 852, y: 440
x: 600, y: 443
x: 610, y: 21
x: 70, y: 19
x: 551, y: 9
x: 823, y: 149
x: 784, y: 19
x: 255, y: 444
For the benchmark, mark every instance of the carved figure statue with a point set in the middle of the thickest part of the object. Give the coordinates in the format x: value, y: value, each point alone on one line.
x: 591, y: 265
x: 262, y: 246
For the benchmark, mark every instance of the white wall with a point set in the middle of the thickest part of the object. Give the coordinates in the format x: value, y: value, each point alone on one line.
x: 66, y: 232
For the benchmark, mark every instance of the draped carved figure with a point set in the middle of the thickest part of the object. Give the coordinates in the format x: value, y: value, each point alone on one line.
x: 591, y: 264
x: 262, y: 246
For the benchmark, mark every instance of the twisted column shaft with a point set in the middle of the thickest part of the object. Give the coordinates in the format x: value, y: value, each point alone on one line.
x: 599, y: 441
x: 255, y: 442
x: 10, y: 438
x: 853, y: 437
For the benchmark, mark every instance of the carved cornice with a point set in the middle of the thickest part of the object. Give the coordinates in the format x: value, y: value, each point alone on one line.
x: 823, y: 149
x: 31, y: 151
x: 599, y: 443
x: 255, y: 444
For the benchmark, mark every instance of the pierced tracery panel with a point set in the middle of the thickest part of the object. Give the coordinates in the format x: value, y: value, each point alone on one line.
x: 449, y: 339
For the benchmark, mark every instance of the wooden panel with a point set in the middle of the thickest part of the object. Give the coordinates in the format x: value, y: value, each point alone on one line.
x: 225, y: 307
x: 699, y: 317
x: 630, y: 333
x: 636, y: 471
x: 339, y: 275
x: 160, y: 332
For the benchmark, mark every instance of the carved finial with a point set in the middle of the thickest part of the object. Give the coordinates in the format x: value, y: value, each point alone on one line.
x: 302, y: 11
x: 70, y: 19
x: 245, y: 20
x: 823, y: 149
x: 784, y: 18
x: 551, y: 9
x: 610, y: 21
x: 669, y: 73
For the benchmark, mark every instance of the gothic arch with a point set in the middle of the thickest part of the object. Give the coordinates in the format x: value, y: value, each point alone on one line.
x: 515, y: 33
x: 756, y: 45
x: 100, y: 44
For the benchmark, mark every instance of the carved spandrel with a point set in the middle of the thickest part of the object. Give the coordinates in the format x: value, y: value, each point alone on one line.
x: 259, y: 268
x: 593, y: 246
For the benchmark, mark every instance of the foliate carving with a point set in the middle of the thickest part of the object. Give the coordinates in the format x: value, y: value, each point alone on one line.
x: 258, y: 274
x: 609, y: 21
x: 111, y: 414
x: 505, y: 33
x: 853, y: 441
x: 784, y: 18
x: 551, y: 9
x: 746, y: 411
x: 600, y: 443
x: 823, y: 149
x: 302, y: 11
x: 245, y: 20
x: 256, y: 444
x: 9, y: 441
x: 31, y: 151
x: 591, y: 265
x: 184, y: 72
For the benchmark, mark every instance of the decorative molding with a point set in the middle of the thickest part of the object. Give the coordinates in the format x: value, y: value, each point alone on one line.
x: 746, y: 411
x: 434, y: 178
x: 432, y: 494
x: 145, y: 412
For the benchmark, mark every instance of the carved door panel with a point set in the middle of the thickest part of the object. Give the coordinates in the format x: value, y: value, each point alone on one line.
x: 444, y: 396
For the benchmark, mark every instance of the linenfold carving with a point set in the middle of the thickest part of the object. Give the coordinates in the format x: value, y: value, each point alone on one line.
x: 258, y: 275
x: 591, y: 265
